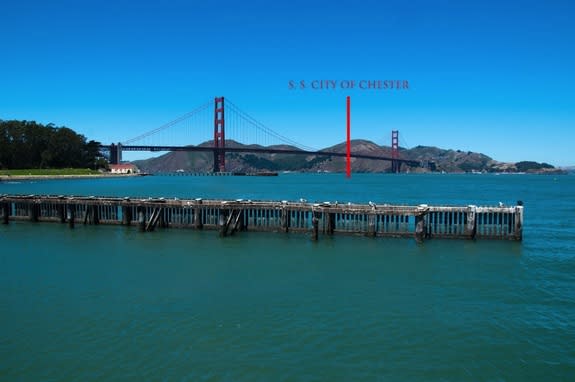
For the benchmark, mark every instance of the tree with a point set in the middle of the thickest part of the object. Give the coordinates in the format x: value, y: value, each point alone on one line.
x: 25, y: 144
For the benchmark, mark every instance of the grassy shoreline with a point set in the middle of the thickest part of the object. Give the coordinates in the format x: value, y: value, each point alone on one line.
x: 66, y: 173
x: 49, y: 172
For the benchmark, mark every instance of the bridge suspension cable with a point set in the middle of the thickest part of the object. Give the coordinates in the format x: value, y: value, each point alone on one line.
x: 263, y: 128
x: 403, y: 142
x: 239, y: 124
x: 169, y: 124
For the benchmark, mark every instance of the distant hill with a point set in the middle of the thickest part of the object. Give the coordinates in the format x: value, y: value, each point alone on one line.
x: 434, y: 159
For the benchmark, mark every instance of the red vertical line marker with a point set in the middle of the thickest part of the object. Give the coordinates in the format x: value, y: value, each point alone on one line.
x: 348, y: 156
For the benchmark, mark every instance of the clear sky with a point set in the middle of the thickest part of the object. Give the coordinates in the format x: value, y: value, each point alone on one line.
x: 488, y: 76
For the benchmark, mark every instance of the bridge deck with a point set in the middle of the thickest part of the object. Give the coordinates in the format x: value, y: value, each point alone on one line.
x: 265, y: 150
x: 231, y: 216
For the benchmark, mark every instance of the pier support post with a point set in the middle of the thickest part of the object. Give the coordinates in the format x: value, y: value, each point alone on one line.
x: 62, y: 213
x: 372, y: 229
x: 285, y: 220
x: 86, y: 214
x: 126, y: 215
x: 519, y: 221
x: 315, y: 227
x: 162, y: 219
x: 330, y: 223
x: 95, y: 214
x: 222, y: 223
x: 142, y: 218
x: 420, y: 225
x: 471, y: 223
x: 33, y: 212
x: 5, y: 213
x: 242, y: 226
x: 420, y: 228
x: 198, y: 216
x: 71, y: 215
x: 91, y: 214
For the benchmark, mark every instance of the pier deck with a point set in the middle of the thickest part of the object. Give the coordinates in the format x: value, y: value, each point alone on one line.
x: 230, y: 216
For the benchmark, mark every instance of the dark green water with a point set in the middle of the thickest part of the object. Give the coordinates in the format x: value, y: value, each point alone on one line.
x: 109, y: 303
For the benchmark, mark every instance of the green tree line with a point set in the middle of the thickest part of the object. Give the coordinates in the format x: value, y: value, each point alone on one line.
x: 27, y: 144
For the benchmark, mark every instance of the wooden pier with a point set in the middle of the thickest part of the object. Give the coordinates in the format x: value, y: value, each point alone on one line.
x: 421, y: 222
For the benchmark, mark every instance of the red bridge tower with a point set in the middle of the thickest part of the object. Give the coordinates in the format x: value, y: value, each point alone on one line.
x: 219, y: 136
x: 395, y: 163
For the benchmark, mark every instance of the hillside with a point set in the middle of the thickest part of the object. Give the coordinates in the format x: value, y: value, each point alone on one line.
x: 434, y: 159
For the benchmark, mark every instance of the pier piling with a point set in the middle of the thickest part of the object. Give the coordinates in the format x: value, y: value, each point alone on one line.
x: 330, y: 223
x: 223, y: 222
x: 141, y: 219
x: 198, y: 215
x: 420, y: 228
x: 34, y: 212
x: 126, y: 215
x: 315, y: 226
x: 62, y: 213
x: 519, y: 221
x: 372, y: 225
x: 71, y: 215
x: 470, y: 224
x: 285, y: 220
x: 5, y: 213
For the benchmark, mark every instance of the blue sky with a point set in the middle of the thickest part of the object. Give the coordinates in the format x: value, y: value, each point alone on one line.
x: 487, y: 76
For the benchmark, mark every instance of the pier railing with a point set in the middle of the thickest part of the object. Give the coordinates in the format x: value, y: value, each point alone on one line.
x: 231, y: 216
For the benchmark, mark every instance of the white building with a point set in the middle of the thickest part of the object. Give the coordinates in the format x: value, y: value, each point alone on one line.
x: 124, y: 168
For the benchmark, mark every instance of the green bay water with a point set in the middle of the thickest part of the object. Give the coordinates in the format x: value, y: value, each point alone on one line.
x: 111, y: 303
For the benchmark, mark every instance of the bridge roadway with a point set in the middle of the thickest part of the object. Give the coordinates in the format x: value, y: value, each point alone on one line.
x: 261, y: 150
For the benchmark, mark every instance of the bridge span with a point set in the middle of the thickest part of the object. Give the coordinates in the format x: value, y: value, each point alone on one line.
x: 120, y: 148
x: 239, y: 122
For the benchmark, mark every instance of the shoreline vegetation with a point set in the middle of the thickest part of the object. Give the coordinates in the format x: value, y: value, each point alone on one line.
x: 27, y: 145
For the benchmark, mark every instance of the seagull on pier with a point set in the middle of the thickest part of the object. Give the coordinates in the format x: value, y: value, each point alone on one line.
x: 302, y: 200
x: 501, y: 204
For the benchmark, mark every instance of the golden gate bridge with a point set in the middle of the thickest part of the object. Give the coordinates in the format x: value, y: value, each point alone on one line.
x: 230, y: 125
